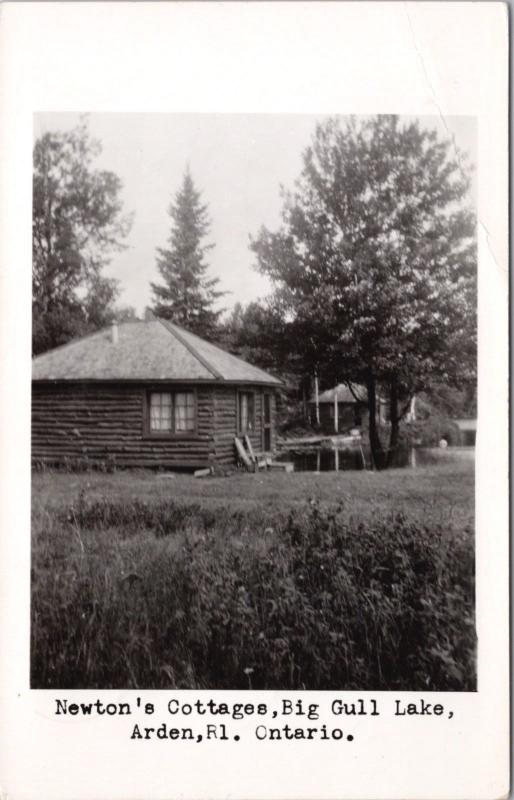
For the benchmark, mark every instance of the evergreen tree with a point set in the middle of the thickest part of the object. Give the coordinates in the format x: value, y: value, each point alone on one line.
x: 187, y: 294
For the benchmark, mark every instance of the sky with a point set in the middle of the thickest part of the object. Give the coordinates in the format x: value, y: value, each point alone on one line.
x: 238, y: 162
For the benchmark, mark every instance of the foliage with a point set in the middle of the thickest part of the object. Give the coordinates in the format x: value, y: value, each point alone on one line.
x: 165, y: 594
x: 77, y: 222
x: 259, y: 334
x: 256, y: 333
x: 125, y: 314
x: 375, y: 265
x: 449, y: 401
x: 436, y: 412
x: 187, y: 295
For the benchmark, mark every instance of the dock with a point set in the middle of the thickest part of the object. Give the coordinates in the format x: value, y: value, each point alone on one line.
x: 316, y: 444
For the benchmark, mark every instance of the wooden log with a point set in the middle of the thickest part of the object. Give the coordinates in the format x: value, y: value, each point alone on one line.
x: 203, y: 473
x: 103, y: 421
x: 243, y: 455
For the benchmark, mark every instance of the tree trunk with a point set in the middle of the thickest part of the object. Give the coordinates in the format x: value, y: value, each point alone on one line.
x: 395, y: 422
x: 377, y: 451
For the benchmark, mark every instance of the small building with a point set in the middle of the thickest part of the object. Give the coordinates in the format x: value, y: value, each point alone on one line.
x: 342, y: 408
x: 468, y: 431
x: 149, y: 394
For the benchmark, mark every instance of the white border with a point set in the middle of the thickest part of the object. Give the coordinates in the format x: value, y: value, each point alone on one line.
x: 412, y: 58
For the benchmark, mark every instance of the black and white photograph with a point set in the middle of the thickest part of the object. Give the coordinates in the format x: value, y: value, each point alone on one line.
x: 254, y: 416
x: 253, y: 402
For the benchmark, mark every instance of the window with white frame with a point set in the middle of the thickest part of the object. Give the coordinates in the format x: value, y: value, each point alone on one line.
x: 172, y: 412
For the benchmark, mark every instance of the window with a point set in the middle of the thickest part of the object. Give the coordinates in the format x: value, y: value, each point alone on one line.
x: 184, y: 406
x: 160, y: 411
x: 172, y: 412
x: 246, y: 412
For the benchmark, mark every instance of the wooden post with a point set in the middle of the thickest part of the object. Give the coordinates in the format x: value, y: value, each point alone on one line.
x: 412, y: 410
x: 318, y: 459
x: 336, y: 458
x: 336, y: 411
x: 363, y: 457
x: 316, y: 396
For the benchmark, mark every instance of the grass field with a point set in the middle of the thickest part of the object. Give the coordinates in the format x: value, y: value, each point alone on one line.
x: 447, y: 490
x: 340, y: 580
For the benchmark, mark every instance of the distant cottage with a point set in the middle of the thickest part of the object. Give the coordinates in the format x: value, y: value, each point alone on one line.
x: 148, y: 394
x: 342, y: 408
x: 468, y: 431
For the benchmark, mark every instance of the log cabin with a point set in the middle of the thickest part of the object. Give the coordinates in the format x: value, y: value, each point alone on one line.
x: 148, y: 394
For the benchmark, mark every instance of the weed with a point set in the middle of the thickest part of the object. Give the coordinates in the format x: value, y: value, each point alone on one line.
x: 167, y: 594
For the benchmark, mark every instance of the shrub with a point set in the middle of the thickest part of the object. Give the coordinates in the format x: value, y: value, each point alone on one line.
x: 429, y: 432
x: 166, y: 595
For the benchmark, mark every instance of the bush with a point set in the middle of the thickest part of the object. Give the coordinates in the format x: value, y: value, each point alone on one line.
x: 430, y: 431
x: 174, y: 596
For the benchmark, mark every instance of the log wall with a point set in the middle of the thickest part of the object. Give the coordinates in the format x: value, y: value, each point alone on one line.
x: 101, y: 423
x: 98, y: 423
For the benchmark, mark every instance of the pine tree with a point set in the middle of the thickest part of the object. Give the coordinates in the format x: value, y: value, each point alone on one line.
x: 187, y: 294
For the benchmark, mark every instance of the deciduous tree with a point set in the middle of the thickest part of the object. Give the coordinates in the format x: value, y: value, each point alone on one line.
x: 375, y: 263
x: 77, y: 224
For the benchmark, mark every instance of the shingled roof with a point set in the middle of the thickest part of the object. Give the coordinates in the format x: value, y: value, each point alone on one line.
x: 152, y: 350
x: 344, y: 394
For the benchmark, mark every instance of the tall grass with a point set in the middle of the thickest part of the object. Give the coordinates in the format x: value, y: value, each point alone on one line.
x: 173, y: 595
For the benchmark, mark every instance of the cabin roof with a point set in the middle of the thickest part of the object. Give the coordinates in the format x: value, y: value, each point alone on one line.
x: 344, y: 394
x: 466, y: 424
x: 150, y: 350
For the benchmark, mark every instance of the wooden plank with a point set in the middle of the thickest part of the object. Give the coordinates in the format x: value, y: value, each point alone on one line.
x: 302, y: 440
x: 241, y: 452
x: 250, y: 449
x: 203, y: 473
x: 258, y: 459
x: 284, y: 466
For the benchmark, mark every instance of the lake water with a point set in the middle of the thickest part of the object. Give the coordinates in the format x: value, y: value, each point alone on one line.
x: 324, y: 459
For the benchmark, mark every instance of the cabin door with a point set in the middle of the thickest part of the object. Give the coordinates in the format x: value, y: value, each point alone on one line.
x: 266, y: 423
